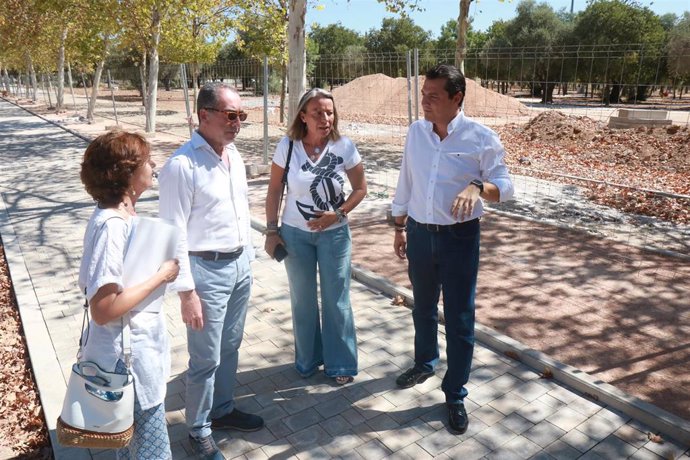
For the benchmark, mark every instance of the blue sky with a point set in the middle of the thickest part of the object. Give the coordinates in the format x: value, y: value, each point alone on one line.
x: 362, y: 15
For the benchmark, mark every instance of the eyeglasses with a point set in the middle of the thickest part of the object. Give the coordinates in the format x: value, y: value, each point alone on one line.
x: 231, y: 114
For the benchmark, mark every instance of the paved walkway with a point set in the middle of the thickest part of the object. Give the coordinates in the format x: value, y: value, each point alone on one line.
x: 514, y: 414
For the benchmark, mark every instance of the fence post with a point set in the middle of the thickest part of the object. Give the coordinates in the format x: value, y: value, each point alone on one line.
x: 416, y: 83
x: 265, y: 110
x: 409, y: 87
x: 112, y: 96
x: 185, y: 91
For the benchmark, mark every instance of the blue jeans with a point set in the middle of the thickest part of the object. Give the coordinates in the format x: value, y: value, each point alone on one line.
x: 331, y: 339
x: 444, y: 261
x: 223, y: 287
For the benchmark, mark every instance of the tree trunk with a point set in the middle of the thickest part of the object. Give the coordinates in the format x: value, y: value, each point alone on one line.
x: 615, y: 96
x: 297, y: 53
x: 142, y: 76
x: 6, y: 80
x: 283, y: 90
x: 547, y: 95
x: 195, y: 84
x: 152, y: 93
x: 94, y: 90
x: 461, y: 43
x: 32, y: 76
x: 60, y: 97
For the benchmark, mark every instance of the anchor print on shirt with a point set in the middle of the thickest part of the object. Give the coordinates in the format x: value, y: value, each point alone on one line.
x: 322, y: 188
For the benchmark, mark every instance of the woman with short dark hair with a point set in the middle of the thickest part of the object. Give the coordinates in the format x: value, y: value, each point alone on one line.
x: 115, y: 171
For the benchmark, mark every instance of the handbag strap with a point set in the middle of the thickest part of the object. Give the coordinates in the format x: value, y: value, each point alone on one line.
x: 126, y: 333
x: 285, y: 177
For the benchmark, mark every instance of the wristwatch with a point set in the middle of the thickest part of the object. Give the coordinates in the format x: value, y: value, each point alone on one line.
x: 340, y: 214
x: 479, y: 184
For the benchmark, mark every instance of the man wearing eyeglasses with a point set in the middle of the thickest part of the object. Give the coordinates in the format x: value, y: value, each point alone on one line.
x: 449, y: 162
x: 203, y: 190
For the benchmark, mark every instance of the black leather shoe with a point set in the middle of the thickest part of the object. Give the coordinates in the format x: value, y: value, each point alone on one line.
x: 457, y: 417
x: 238, y: 420
x: 412, y: 377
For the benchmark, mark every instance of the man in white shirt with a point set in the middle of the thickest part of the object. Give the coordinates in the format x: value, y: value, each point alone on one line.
x: 449, y: 162
x: 203, y: 190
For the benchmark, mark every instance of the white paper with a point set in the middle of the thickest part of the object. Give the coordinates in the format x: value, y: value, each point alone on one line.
x: 152, y: 242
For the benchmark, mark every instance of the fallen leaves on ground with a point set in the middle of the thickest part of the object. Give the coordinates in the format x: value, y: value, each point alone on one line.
x: 22, y: 424
x: 643, y: 158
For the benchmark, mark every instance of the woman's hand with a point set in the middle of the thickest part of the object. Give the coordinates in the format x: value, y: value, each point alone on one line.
x: 170, y: 269
x: 272, y: 240
x: 325, y: 220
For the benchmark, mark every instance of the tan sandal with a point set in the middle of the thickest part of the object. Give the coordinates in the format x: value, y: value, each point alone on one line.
x: 344, y: 379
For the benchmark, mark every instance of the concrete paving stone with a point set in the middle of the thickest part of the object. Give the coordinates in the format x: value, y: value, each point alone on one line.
x: 256, y: 439
x: 279, y: 429
x: 517, y: 448
x: 178, y: 431
x: 563, y: 394
x: 598, y: 427
x: 566, y: 418
x: 536, y: 411
x: 487, y: 414
x: 551, y: 401
x: 382, y: 424
x: 468, y: 449
x: 313, y: 453
x: 256, y: 454
x: 337, y: 446
x: 579, y: 440
x: 174, y: 402
x: 272, y: 412
x: 484, y: 394
x: 333, y: 406
x: 173, y: 417
x: 279, y: 449
x: 531, y: 390
x: 613, y: 448
x: 335, y: 426
x: 232, y: 447
x: 508, y: 403
x: 306, y: 417
x: 544, y: 433
x: 308, y: 437
x: 378, y: 387
x: 585, y: 406
x: 542, y: 456
x: 440, y: 441
x: 373, y: 450
x: 524, y: 372
x: 631, y: 435
x: 645, y: 454
x: 669, y: 449
x: 398, y: 438
x: 516, y: 423
x: 399, y: 397
x: 591, y: 455
x: 373, y: 406
x: 494, y: 436
x: 561, y: 450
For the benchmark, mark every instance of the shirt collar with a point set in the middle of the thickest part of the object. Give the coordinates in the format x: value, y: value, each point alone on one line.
x: 198, y: 142
x: 452, y: 126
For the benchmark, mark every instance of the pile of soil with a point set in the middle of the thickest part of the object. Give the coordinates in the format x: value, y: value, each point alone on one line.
x: 648, y: 158
x: 379, y: 98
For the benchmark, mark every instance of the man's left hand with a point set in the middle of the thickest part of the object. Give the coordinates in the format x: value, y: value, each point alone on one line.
x: 464, y: 203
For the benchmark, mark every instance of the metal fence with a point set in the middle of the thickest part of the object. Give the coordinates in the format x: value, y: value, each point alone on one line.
x: 378, y: 95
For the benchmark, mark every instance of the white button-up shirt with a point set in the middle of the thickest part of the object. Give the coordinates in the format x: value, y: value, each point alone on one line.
x: 207, y: 201
x: 435, y: 171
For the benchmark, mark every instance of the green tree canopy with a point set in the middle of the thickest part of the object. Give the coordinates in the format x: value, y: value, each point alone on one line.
x: 396, y: 35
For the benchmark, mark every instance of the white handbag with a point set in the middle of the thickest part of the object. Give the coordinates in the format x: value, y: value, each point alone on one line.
x: 98, y: 409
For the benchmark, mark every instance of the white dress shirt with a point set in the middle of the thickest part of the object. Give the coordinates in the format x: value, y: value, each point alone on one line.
x: 208, y: 202
x: 435, y: 171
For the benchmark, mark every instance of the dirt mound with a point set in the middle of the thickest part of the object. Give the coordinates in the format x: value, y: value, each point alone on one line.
x: 647, y: 158
x: 375, y: 98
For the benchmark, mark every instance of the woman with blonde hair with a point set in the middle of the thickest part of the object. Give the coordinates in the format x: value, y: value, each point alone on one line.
x: 316, y: 161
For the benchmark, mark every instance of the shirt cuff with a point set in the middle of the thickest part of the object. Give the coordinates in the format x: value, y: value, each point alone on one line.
x: 398, y: 210
x: 505, y: 188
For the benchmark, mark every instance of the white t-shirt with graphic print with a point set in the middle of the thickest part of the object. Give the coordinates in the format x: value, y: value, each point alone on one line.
x: 315, y: 186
